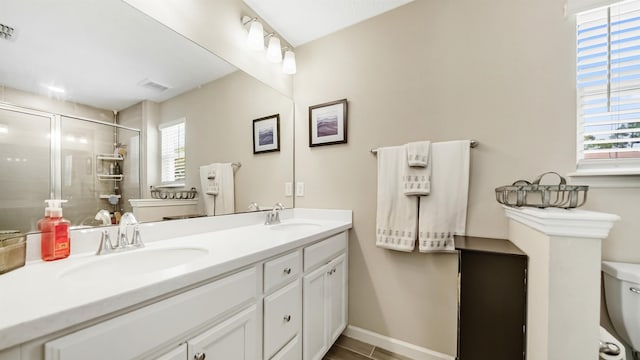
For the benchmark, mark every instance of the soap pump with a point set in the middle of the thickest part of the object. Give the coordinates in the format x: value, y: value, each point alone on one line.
x: 55, y: 242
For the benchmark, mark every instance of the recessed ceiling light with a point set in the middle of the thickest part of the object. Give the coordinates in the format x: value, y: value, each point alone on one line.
x: 4, y: 129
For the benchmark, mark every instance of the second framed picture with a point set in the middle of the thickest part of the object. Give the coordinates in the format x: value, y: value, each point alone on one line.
x: 266, y: 134
x: 328, y: 123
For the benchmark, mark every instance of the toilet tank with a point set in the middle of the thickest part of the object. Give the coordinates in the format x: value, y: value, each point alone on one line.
x: 622, y: 295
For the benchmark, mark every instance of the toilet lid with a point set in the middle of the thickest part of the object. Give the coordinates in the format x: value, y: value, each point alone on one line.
x: 623, y: 271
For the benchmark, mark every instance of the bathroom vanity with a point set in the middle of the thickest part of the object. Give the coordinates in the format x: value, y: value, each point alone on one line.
x: 232, y: 288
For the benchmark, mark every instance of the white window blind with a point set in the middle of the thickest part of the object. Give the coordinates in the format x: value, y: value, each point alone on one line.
x: 608, y: 84
x: 173, y: 154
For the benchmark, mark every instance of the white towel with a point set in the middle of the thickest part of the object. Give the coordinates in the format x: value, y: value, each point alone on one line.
x: 218, y: 191
x: 418, y: 153
x: 397, y: 214
x: 444, y: 212
x: 417, y: 179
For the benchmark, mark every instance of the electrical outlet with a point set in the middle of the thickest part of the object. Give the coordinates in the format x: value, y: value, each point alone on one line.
x: 288, y: 189
x: 299, y: 189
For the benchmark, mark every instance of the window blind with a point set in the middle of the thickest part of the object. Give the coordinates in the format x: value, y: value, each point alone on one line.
x: 608, y: 82
x: 173, y: 163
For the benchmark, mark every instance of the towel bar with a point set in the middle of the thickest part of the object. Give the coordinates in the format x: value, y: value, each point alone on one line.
x: 473, y: 143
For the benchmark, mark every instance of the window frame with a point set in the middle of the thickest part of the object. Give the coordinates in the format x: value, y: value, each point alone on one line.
x: 597, y: 167
x: 180, y: 182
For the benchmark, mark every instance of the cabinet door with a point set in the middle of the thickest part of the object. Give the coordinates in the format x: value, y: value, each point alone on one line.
x: 179, y: 353
x: 337, y: 284
x: 233, y: 339
x: 314, y: 314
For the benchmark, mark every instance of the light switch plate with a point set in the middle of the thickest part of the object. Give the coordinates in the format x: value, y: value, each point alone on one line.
x: 300, y: 189
x: 288, y: 189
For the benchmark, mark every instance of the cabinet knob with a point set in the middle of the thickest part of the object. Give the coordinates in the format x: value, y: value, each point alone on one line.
x: 199, y: 356
x: 287, y: 318
x: 287, y: 271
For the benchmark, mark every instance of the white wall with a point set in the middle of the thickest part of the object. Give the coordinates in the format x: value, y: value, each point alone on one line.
x: 499, y: 71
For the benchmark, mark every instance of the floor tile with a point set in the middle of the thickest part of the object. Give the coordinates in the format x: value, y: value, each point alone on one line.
x: 382, y: 354
x: 339, y: 353
x: 354, y: 345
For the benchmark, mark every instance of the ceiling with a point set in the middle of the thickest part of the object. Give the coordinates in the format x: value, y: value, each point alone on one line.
x: 302, y: 21
x: 102, y: 52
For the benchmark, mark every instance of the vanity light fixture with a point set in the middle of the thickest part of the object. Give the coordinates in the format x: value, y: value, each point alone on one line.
x: 274, y: 50
x: 289, y: 63
x: 255, y: 40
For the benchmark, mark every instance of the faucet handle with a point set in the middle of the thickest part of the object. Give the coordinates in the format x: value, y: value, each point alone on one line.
x: 122, y: 237
x: 137, y: 239
x: 105, y: 244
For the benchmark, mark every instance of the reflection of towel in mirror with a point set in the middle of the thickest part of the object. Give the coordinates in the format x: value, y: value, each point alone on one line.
x: 397, y: 214
x: 223, y: 184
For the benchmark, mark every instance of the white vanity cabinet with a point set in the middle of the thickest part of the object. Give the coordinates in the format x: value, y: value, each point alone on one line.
x: 324, y: 295
x: 287, y: 305
x: 282, y: 307
x: 229, y: 304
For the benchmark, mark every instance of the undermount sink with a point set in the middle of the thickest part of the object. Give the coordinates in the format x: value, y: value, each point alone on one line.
x: 133, y: 263
x: 296, y: 226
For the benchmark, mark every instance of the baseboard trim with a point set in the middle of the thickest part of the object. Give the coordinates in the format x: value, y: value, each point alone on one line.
x: 397, y: 346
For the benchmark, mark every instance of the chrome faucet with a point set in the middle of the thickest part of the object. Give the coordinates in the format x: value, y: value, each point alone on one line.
x: 273, y: 216
x: 104, y: 216
x: 123, y: 243
x: 126, y: 220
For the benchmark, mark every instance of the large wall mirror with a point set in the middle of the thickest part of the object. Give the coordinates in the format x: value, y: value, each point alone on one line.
x: 86, y: 86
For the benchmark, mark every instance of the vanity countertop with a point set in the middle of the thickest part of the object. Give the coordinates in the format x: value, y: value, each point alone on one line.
x: 37, y: 301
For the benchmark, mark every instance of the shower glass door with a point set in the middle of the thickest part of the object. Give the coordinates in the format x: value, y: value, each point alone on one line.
x: 25, y: 167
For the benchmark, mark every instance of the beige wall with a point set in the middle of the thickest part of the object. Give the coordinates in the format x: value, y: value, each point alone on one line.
x: 220, y: 127
x: 499, y: 71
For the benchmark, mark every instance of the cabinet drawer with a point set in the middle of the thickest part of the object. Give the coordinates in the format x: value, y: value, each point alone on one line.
x: 281, y: 270
x: 323, y: 251
x: 282, y: 317
x: 112, y: 339
x: 292, y: 351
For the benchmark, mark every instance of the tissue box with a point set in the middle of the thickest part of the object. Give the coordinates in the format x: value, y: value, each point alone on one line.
x: 12, y: 250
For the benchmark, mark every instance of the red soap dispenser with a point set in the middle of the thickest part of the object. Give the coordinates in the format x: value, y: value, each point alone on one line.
x: 55, y: 242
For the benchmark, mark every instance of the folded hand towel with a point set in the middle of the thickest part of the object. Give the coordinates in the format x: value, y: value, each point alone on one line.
x: 397, y: 214
x: 444, y: 213
x: 418, y: 153
x: 217, y: 188
x: 417, y: 179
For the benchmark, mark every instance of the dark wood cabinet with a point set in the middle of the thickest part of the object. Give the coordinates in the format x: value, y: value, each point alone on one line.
x: 492, y: 303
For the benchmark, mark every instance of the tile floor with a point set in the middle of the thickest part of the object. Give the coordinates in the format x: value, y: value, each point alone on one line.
x: 347, y: 348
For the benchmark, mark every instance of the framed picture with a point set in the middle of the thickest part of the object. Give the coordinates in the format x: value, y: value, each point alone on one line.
x: 328, y: 123
x: 266, y: 134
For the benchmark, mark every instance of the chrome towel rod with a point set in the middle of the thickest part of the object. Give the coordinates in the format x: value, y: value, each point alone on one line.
x: 473, y: 143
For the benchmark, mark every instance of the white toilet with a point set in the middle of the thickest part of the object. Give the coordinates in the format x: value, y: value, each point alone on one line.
x: 622, y: 295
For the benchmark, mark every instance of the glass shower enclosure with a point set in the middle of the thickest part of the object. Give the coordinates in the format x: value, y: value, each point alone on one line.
x: 92, y: 164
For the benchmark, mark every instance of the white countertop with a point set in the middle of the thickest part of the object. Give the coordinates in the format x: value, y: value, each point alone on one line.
x: 36, y: 301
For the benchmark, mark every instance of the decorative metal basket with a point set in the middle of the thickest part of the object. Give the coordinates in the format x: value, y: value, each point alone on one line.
x: 173, y: 194
x: 524, y: 193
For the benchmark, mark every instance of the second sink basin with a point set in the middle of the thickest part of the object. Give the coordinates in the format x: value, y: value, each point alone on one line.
x: 133, y: 263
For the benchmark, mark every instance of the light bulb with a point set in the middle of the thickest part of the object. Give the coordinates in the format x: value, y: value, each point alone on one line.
x: 289, y: 63
x: 274, y: 51
x: 256, y: 36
